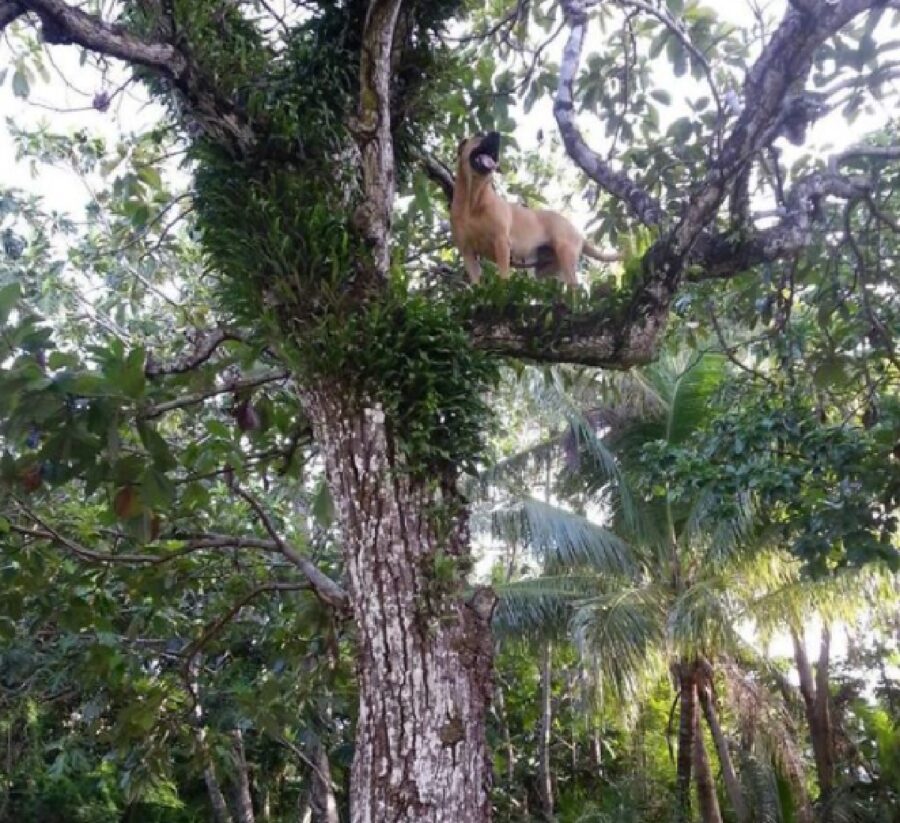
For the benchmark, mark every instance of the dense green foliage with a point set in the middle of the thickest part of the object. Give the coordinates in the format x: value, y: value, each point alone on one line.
x: 693, y: 509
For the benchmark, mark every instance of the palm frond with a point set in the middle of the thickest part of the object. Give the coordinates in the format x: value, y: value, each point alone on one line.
x: 623, y: 633
x: 540, y: 606
x: 701, y: 620
x: 563, y: 538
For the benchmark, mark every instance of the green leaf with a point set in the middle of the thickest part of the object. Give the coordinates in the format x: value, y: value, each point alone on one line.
x: 9, y: 296
x: 133, y: 379
x: 20, y: 84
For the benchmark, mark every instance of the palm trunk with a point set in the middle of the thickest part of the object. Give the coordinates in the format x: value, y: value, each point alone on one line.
x: 244, y: 800
x: 686, y: 728
x: 424, y: 654
x: 707, y: 799
x: 732, y: 784
x: 545, y: 776
x: 816, y: 700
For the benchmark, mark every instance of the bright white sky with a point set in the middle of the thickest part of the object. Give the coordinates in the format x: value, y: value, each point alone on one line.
x: 132, y: 113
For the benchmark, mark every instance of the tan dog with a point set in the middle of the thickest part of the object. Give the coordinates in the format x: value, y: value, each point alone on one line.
x: 487, y: 226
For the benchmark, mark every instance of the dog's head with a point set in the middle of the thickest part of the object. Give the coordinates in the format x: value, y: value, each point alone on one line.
x: 480, y: 154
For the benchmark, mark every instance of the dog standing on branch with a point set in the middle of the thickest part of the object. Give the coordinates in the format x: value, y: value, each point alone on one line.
x: 487, y: 226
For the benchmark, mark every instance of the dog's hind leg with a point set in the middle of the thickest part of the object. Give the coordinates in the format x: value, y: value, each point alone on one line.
x: 567, y: 258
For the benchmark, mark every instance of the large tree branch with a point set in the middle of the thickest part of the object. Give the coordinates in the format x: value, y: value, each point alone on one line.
x: 783, y: 65
x: 642, y: 205
x: 204, y: 347
x: 65, y: 24
x: 214, y: 112
x: 621, y: 339
x: 725, y: 254
x: 372, y: 128
x: 556, y: 334
x: 9, y: 12
x: 611, y: 339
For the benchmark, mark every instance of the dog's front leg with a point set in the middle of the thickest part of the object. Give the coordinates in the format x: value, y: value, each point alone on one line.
x: 501, y: 256
x: 473, y: 267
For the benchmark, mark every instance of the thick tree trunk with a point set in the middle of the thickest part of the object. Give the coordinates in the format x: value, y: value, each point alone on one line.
x: 545, y: 775
x: 732, y: 784
x: 424, y: 654
x: 707, y: 799
x: 686, y: 727
x: 816, y: 701
x: 243, y: 798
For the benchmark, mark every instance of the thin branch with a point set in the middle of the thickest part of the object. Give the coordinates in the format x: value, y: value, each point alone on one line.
x: 302, y: 757
x: 216, y: 626
x: 204, y: 348
x: 324, y: 587
x: 642, y: 205
x: 665, y: 17
x: 158, y: 409
x: 82, y: 553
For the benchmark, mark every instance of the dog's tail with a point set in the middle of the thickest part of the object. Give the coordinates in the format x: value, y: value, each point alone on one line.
x: 603, y: 256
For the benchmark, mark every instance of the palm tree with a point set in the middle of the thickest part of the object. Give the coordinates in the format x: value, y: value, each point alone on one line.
x: 662, y: 597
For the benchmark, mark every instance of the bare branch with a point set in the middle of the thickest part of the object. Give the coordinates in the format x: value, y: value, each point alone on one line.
x: 642, y: 205
x: 198, y: 397
x: 784, y: 63
x: 438, y: 173
x: 204, y: 348
x: 216, y: 113
x: 65, y: 24
x: 324, y: 587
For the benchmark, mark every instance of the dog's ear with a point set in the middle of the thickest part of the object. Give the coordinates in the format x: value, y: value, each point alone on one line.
x: 462, y: 143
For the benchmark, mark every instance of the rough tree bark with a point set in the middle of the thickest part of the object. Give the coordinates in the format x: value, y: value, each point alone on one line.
x: 424, y: 656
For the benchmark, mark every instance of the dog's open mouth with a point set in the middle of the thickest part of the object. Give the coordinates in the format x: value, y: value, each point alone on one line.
x: 486, y: 157
x: 483, y: 163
